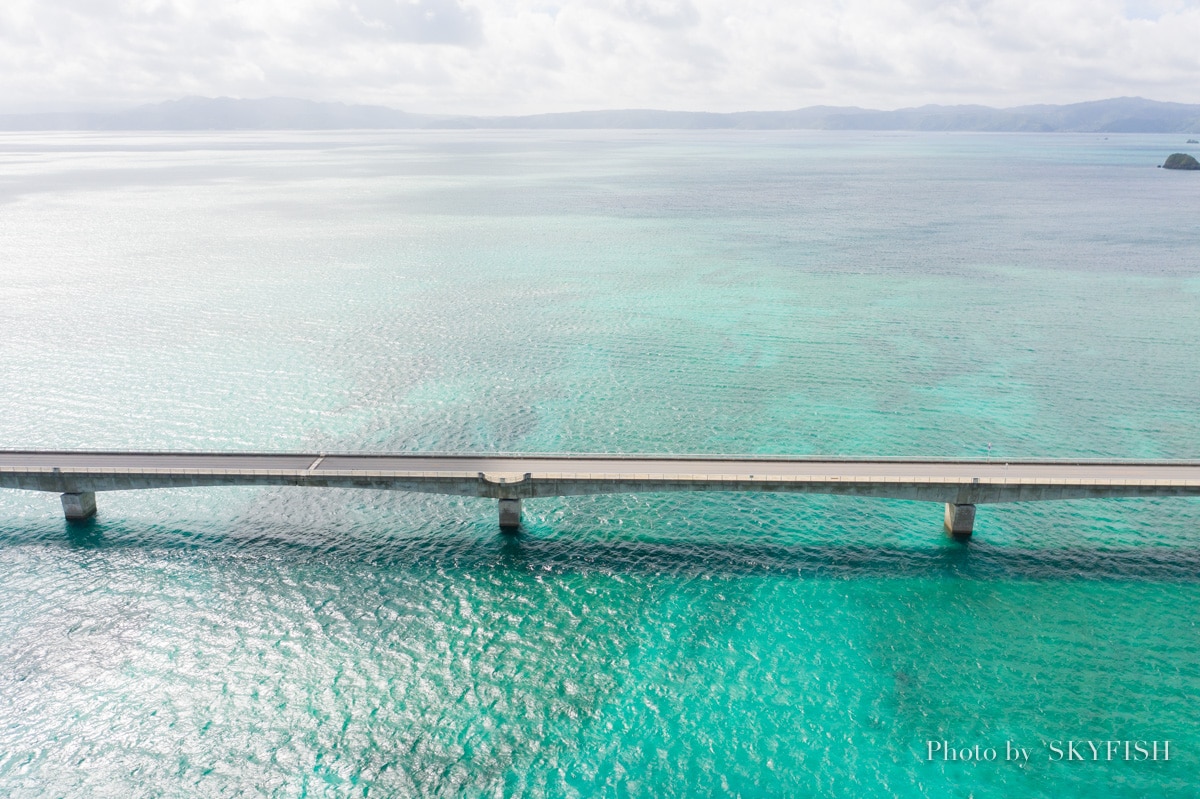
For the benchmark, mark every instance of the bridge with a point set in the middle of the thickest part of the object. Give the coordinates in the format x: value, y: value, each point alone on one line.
x: 960, y: 485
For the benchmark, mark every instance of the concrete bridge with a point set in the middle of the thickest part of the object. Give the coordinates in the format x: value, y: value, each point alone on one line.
x: 960, y: 485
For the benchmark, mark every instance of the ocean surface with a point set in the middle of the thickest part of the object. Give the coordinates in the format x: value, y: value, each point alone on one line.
x: 961, y: 295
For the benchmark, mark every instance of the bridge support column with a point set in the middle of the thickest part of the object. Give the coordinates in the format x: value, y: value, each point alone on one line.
x: 510, y: 514
x: 960, y: 521
x: 81, y: 505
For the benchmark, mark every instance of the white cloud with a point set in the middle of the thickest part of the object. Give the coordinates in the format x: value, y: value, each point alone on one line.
x: 412, y: 21
x: 513, y: 56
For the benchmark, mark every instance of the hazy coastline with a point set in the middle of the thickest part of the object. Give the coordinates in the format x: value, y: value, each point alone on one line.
x: 1117, y: 115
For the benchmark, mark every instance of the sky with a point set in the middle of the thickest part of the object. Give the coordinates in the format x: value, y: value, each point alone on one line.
x: 531, y: 56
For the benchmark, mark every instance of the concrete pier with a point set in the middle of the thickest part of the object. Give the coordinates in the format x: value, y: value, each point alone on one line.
x: 78, y: 506
x: 510, y: 514
x: 960, y: 521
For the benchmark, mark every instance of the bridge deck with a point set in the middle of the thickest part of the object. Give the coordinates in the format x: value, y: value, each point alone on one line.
x: 959, y: 483
x: 901, y: 468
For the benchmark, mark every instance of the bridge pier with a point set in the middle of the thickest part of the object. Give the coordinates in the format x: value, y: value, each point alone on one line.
x: 79, y: 505
x: 960, y: 521
x: 510, y: 514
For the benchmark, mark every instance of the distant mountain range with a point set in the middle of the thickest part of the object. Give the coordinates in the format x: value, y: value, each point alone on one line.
x: 1120, y: 115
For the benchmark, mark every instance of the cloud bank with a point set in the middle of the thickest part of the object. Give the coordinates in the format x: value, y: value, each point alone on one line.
x: 529, y: 56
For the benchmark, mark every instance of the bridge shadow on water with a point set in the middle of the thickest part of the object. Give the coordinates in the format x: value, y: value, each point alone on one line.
x: 862, y: 560
x: 466, y: 547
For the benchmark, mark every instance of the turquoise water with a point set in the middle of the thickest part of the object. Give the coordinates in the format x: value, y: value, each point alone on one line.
x: 799, y: 293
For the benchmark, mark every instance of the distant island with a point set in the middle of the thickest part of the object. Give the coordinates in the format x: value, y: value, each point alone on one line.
x: 1180, y: 161
x: 1120, y: 115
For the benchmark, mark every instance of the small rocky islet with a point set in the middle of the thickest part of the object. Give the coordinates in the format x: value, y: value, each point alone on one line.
x: 1180, y: 161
